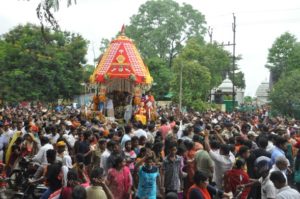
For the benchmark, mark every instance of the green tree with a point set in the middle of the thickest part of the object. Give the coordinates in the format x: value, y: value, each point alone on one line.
x: 195, y: 82
x: 285, y: 95
x: 87, y: 72
x: 248, y: 100
x: 34, y: 70
x: 215, y: 58
x: 280, y: 54
x: 162, y: 76
x: 161, y: 27
x: 45, y: 12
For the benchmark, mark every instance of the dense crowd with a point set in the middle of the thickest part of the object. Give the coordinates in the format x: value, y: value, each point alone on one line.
x: 193, y: 155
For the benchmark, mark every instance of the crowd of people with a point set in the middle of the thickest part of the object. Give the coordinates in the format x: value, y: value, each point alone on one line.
x: 192, y: 155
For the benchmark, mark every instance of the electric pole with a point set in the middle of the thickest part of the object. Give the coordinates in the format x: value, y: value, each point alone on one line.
x: 210, y: 34
x: 233, y: 60
x: 233, y: 44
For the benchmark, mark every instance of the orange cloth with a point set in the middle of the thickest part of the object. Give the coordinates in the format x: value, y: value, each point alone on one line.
x: 204, y: 192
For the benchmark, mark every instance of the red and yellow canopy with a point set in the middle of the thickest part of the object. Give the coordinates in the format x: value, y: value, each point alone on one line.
x: 122, y: 61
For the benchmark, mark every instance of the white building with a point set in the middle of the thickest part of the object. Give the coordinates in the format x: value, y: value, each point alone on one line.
x: 262, y: 93
x: 226, y: 89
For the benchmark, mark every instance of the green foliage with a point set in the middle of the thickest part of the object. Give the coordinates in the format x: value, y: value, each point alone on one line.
x: 195, y: 82
x: 161, y: 27
x: 248, y: 99
x: 87, y: 72
x: 285, y: 95
x: 162, y: 76
x: 239, y: 79
x: 284, y: 56
x: 34, y: 70
x: 103, y: 45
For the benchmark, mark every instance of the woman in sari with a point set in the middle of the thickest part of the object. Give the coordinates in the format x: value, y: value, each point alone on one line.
x: 11, y: 143
x: 81, y: 170
x: 29, y: 145
x: 119, y: 179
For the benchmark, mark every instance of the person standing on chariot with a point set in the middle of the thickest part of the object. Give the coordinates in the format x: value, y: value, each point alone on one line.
x: 128, y: 109
x: 140, y: 114
x: 110, y: 109
x: 96, y: 102
x: 149, y: 106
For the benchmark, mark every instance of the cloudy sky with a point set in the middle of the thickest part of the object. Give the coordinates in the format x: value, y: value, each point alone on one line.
x: 259, y: 22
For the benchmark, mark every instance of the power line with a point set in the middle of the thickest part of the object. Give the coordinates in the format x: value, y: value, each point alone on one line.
x: 256, y: 11
x: 263, y: 22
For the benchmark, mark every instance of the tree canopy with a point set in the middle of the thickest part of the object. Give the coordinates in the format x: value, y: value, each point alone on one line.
x: 285, y: 95
x: 32, y: 69
x: 161, y: 28
x: 284, y: 56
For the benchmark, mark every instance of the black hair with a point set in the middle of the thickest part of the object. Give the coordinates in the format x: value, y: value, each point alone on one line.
x: 188, y: 144
x: 263, y: 142
x: 151, y: 127
x: 51, y: 155
x: 239, y: 163
x: 128, y: 141
x: 119, y: 159
x: 279, y: 141
x: 87, y: 134
x: 134, y: 138
x: 127, y: 129
x: 163, y: 121
x: 231, y: 140
x: 277, y: 176
x: 239, y: 140
x: 72, y: 175
x: 243, y: 149
x: 172, y: 145
x: 158, y: 146
x: 79, y: 192
x: 44, y: 140
x: 199, y: 177
x: 185, y: 132
x: 214, y: 144
x: 110, y: 144
x: 197, y: 138
x: 96, y: 173
x: 248, y: 143
x: 225, y: 148
x: 143, y: 151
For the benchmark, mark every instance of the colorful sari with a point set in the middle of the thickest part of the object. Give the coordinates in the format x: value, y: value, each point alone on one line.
x: 120, y: 182
x: 11, y: 143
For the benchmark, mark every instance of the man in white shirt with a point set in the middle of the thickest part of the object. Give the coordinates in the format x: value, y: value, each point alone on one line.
x: 7, y: 131
x: 263, y: 165
x: 223, y: 160
x: 41, y: 156
x: 126, y: 137
x: 283, y: 190
x: 105, y: 155
x: 281, y: 164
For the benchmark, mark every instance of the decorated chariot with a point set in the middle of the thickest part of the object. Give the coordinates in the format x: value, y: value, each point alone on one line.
x: 123, y: 81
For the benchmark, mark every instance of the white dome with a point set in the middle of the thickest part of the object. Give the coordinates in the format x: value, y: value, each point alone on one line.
x: 263, y: 90
x: 226, y: 85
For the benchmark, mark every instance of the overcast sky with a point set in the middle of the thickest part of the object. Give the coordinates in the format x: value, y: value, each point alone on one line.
x: 259, y: 23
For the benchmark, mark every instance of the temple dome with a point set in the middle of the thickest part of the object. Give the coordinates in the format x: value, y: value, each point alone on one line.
x: 262, y: 90
x: 226, y: 85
